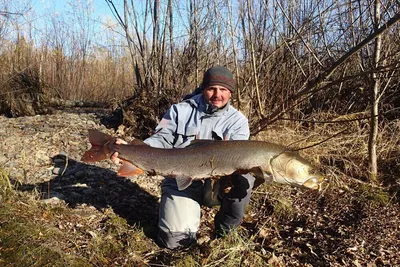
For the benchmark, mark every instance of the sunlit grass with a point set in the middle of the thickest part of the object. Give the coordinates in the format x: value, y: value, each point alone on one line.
x: 33, y: 233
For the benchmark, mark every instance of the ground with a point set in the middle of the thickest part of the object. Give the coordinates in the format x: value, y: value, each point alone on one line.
x: 93, y: 211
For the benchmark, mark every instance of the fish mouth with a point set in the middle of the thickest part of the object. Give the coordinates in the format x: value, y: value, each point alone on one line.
x: 314, y: 183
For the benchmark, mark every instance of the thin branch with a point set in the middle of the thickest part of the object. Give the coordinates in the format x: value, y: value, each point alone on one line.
x: 319, y: 143
x: 298, y: 34
x: 309, y: 87
x: 6, y: 13
x: 340, y: 121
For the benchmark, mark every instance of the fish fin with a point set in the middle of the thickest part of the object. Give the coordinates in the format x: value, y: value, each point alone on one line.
x: 128, y: 169
x: 257, y: 172
x: 200, y: 142
x: 183, y: 182
x: 213, y: 188
x: 95, y: 153
x: 260, y: 176
x: 98, y: 138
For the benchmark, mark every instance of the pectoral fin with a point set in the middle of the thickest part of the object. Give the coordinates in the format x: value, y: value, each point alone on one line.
x: 260, y: 176
x: 183, y: 182
x: 128, y: 169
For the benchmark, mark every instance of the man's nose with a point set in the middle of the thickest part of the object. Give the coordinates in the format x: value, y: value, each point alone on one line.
x: 217, y: 92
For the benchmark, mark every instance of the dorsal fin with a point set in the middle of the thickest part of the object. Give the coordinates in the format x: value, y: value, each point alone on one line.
x: 201, y: 142
x: 138, y: 142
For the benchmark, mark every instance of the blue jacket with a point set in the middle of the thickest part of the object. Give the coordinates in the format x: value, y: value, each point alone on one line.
x: 193, y: 119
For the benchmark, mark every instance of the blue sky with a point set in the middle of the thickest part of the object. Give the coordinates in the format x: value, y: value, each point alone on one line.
x: 100, y: 6
x: 45, y: 13
x: 47, y: 20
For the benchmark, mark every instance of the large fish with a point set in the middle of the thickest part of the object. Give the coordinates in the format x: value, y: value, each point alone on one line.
x: 207, y: 158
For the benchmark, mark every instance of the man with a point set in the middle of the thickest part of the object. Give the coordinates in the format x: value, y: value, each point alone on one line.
x: 206, y: 114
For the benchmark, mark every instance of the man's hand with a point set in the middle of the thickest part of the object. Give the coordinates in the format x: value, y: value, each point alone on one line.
x: 114, y: 157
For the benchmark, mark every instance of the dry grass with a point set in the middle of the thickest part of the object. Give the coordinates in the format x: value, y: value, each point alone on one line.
x: 341, y: 149
x: 61, y: 77
x: 23, y: 94
x: 33, y: 233
x: 281, y: 224
x: 36, y: 234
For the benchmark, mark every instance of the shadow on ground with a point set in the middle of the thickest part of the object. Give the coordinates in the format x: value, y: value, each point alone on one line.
x: 79, y: 183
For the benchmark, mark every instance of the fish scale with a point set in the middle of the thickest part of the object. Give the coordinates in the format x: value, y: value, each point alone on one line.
x: 208, y: 159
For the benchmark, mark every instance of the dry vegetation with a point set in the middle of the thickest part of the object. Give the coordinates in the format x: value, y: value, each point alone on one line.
x: 306, y: 74
x: 349, y: 223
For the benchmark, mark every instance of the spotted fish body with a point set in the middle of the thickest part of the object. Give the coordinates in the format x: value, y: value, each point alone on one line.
x: 208, y: 158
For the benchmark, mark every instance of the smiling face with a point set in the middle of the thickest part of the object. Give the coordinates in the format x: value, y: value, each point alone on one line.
x: 217, y: 95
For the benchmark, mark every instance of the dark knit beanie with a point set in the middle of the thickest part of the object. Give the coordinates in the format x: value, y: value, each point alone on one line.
x: 218, y: 76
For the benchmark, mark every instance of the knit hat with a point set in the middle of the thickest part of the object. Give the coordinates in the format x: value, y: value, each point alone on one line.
x: 218, y: 76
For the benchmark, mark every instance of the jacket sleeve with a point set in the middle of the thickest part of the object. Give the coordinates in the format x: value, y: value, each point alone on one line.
x: 165, y: 131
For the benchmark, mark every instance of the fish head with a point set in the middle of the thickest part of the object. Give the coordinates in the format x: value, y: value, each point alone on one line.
x: 291, y: 168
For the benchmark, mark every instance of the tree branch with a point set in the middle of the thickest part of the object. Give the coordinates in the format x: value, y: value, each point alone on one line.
x: 310, y: 86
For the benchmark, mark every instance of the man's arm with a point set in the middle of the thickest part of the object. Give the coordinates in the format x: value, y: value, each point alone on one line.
x: 164, y: 136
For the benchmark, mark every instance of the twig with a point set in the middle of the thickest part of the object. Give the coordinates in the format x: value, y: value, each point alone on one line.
x: 323, y: 141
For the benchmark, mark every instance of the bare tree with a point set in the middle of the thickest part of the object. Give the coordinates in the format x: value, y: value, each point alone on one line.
x: 375, y: 88
x: 232, y: 32
x: 320, y: 82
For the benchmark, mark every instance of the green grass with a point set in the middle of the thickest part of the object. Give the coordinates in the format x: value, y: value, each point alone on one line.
x: 5, y: 185
x: 236, y: 249
x: 374, y: 195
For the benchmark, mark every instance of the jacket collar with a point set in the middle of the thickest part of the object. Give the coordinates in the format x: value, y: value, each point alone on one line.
x: 199, y: 102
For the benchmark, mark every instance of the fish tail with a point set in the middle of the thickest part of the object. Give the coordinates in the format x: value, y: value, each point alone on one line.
x: 99, y: 150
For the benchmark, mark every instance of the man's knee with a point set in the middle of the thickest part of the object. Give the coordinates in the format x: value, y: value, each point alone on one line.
x: 179, y: 215
x: 173, y: 240
x: 234, y: 204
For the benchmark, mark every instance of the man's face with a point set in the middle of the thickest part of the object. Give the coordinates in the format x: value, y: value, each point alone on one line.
x: 217, y: 95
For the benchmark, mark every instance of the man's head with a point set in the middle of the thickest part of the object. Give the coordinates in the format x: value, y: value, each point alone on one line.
x: 217, y: 86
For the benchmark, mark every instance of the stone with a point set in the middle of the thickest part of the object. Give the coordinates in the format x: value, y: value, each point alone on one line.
x: 3, y: 159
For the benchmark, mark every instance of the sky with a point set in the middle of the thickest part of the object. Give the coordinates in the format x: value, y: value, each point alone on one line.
x: 100, y: 7
x: 47, y: 20
x: 69, y: 15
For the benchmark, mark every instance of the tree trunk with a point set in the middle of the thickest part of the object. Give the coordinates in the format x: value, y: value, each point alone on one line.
x: 375, y: 100
x: 235, y: 57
